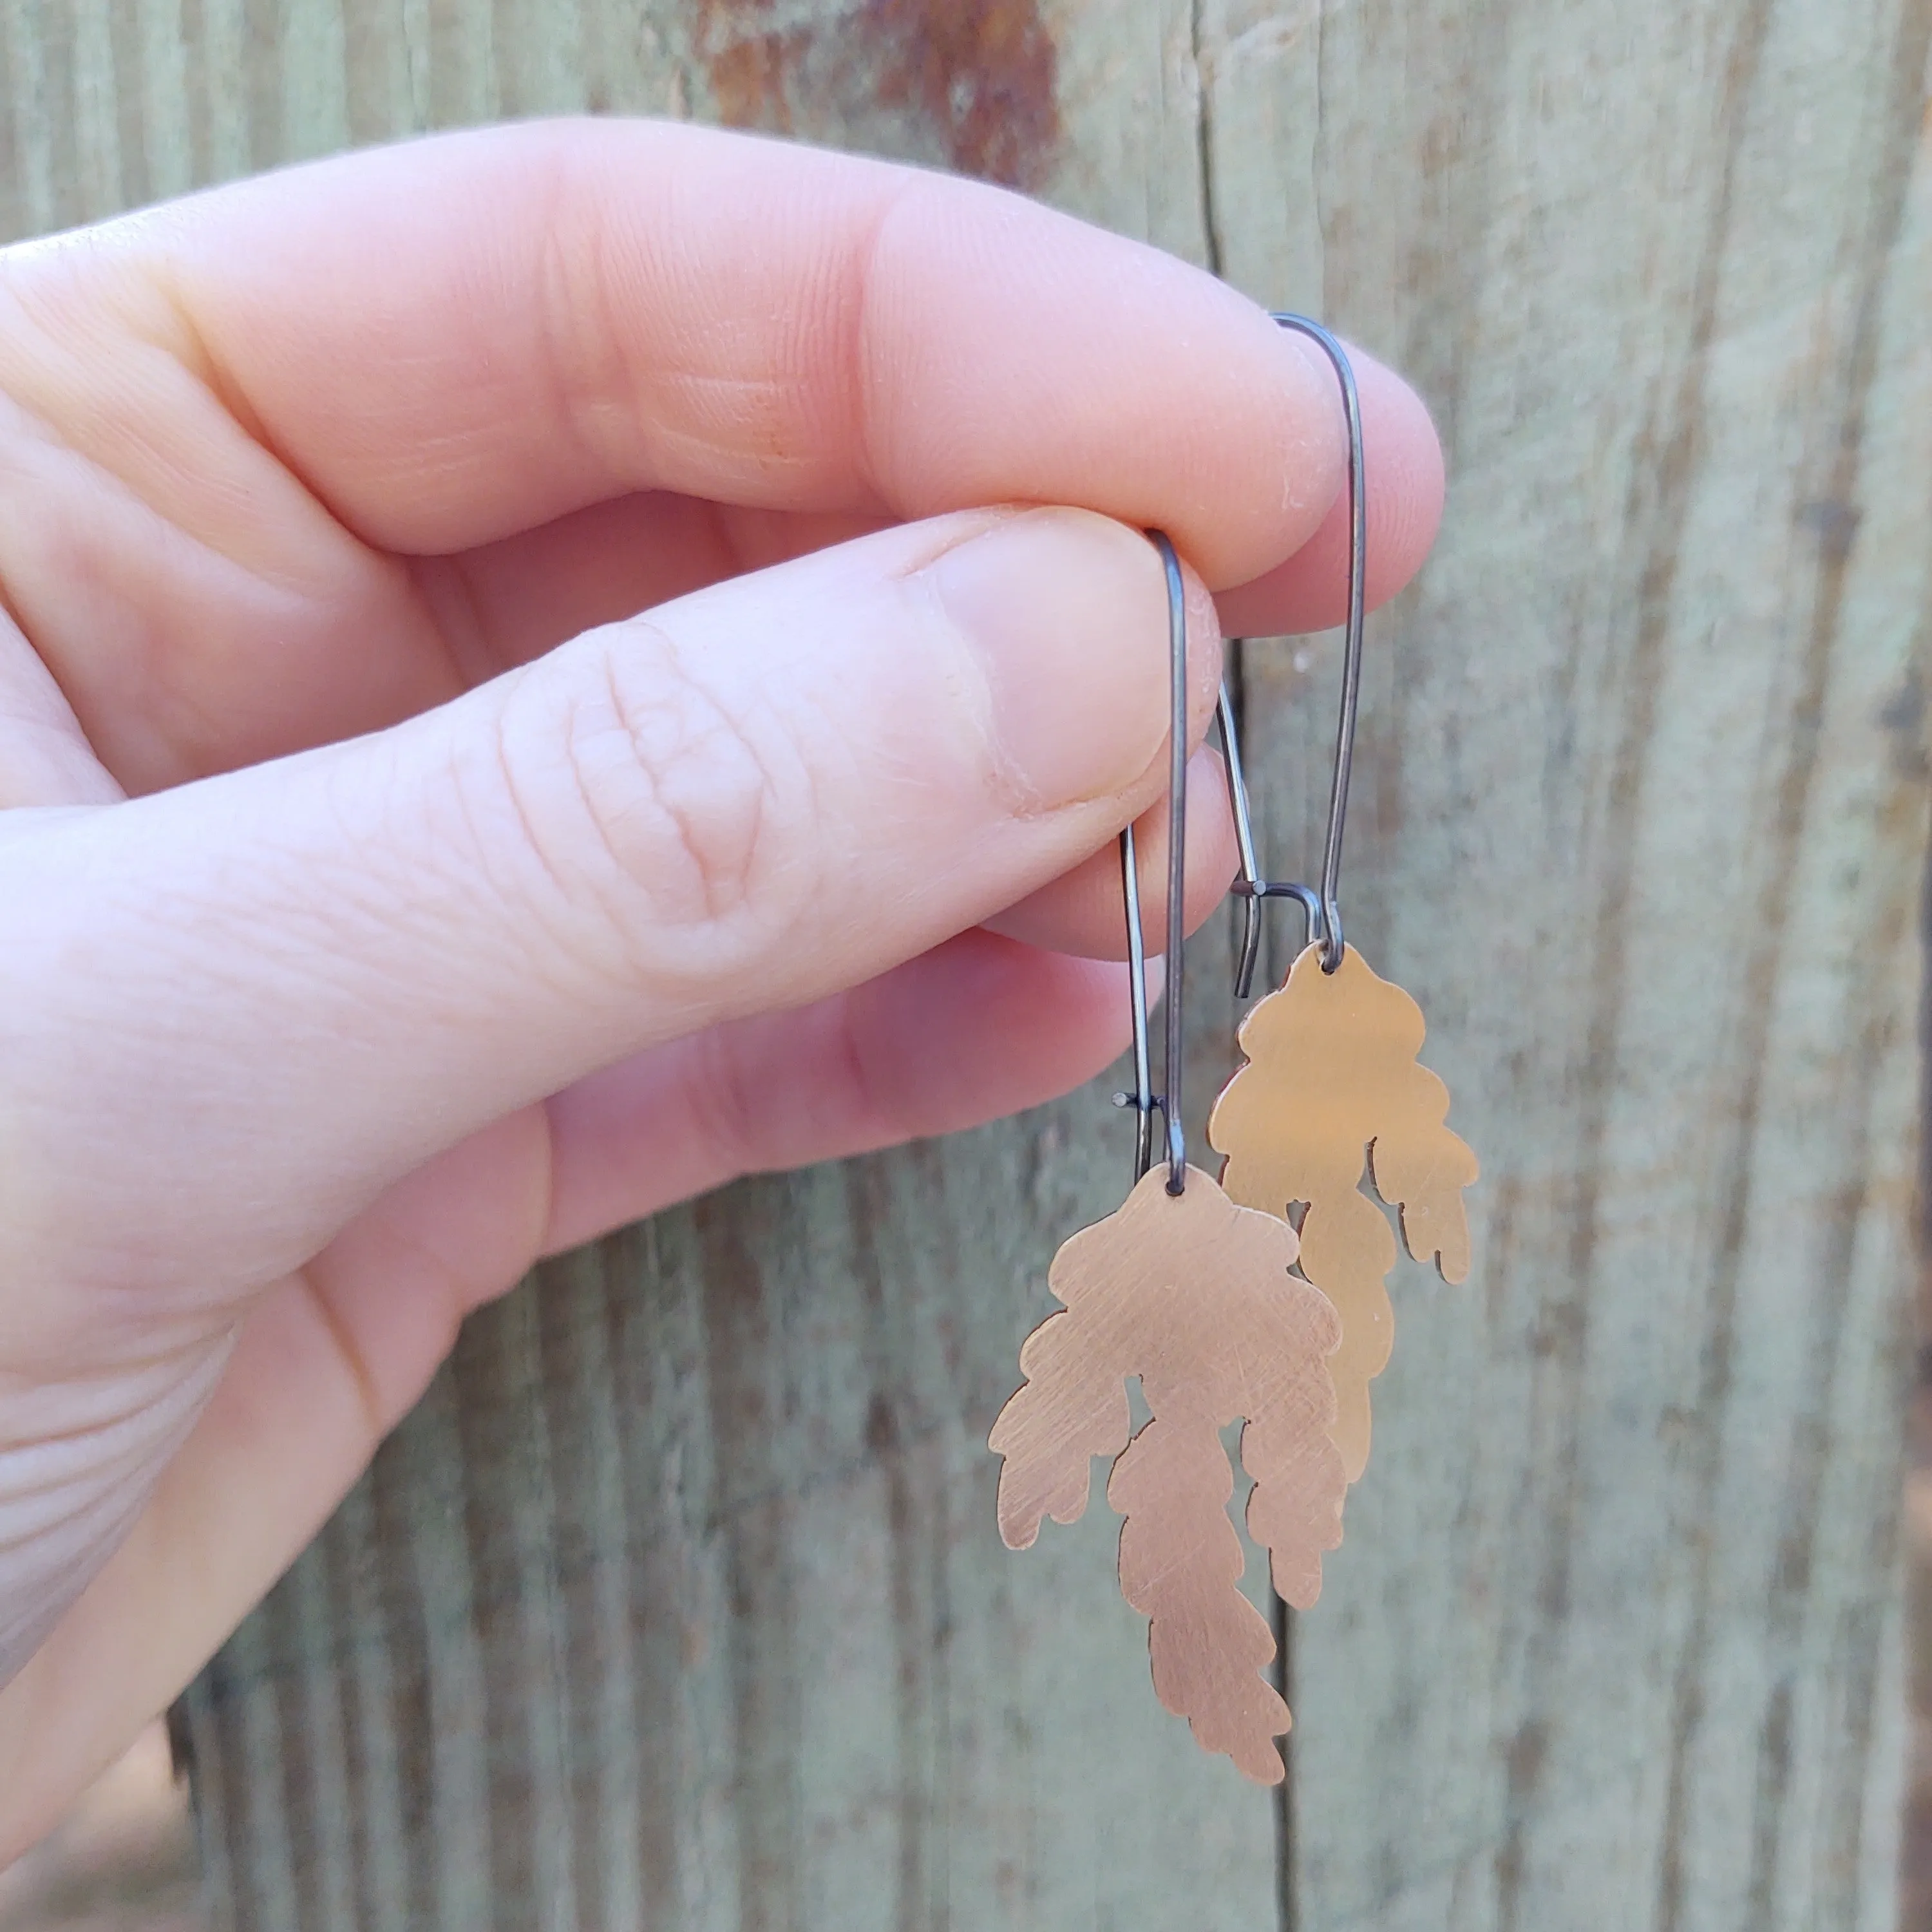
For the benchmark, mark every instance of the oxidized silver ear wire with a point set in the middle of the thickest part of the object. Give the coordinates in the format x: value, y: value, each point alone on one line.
x: 1143, y: 1100
x: 1322, y: 910
x: 1332, y: 1083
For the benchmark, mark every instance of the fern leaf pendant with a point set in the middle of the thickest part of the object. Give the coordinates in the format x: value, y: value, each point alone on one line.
x: 1333, y: 1082
x: 1192, y: 1293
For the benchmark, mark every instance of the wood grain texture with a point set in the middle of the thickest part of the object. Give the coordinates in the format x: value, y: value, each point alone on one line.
x: 1640, y: 819
x: 1640, y: 823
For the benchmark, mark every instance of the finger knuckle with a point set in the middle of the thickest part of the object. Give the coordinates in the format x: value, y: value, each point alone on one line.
x: 673, y: 794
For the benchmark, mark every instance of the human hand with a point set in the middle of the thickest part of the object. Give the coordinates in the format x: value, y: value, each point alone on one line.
x: 387, y: 904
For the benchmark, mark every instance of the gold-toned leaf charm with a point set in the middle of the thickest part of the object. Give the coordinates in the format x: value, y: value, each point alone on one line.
x: 1332, y: 1078
x: 1193, y: 1294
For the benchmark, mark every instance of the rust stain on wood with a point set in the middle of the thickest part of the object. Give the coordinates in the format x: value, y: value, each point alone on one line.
x: 978, y: 77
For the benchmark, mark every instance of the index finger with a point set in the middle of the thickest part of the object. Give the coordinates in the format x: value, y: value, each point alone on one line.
x: 457, y: 339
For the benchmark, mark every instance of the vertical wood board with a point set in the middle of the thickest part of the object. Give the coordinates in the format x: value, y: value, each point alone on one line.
x: 1641, y: 823
x: 678, y: 1602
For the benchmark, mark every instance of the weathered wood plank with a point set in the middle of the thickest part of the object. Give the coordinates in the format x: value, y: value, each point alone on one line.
x: 678, y: 1603
x: 1613, y: 1642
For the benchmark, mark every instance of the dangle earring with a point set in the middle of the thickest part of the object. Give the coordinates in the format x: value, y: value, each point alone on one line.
x: 1332, y: 1094
x: 1193, y: 1294
x: 1222, y: 1300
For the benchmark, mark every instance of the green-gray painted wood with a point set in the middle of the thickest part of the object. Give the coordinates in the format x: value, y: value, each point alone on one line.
x: 678, y: 1603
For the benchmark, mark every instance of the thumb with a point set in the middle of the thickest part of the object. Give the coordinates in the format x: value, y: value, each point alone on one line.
x: 232, y: 1013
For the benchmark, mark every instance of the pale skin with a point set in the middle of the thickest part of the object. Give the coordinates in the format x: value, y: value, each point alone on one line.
x: 542, y: 671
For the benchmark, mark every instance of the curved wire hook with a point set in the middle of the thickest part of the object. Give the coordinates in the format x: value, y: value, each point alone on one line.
x: 1323, y: 909
x: 1144, y: 1100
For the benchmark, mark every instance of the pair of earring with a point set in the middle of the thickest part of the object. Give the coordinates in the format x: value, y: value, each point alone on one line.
x: 1262, y: 1298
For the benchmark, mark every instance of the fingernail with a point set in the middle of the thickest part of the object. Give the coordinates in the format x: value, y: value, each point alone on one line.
x: 1067, y: 612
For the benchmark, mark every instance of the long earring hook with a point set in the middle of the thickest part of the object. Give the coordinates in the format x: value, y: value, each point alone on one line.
x: 1143, y: 1100
x: 1323, y: 909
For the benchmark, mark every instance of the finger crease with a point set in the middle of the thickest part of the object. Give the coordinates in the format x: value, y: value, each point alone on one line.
x: 368, y: 1392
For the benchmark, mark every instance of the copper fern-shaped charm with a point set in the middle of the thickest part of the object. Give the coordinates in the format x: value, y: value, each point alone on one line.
x: 1192, y: 1294
x: 1332, y: 1078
